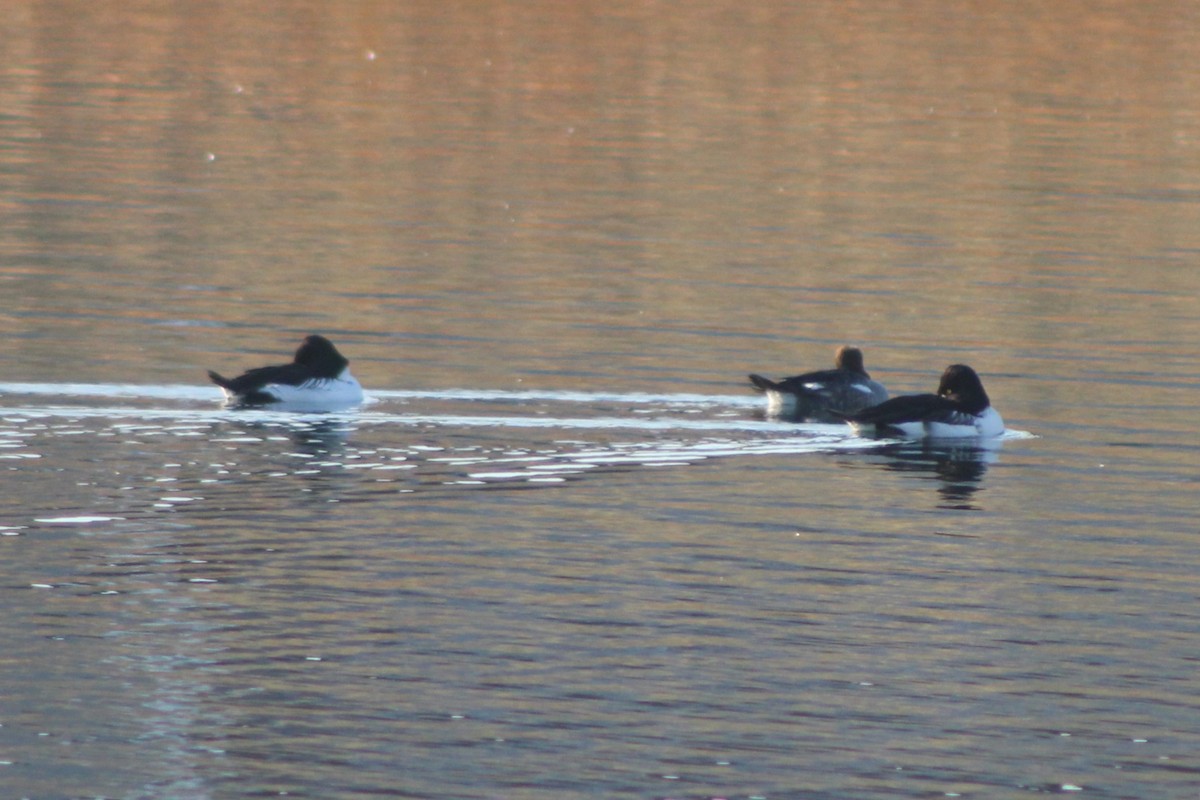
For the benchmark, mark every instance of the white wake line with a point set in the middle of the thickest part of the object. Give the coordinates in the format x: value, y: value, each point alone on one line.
x: 659, y: 455
x: 602, y: 423
x: 567, y: 396
x: 558, y: 467
x: 193, y: 392
x: 363, y: 418
x: 161, y: 392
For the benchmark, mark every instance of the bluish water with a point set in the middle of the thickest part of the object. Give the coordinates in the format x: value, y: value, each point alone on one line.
x: 562, y: 551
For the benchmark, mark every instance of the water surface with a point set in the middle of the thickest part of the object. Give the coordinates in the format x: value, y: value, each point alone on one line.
x: 561, y: 551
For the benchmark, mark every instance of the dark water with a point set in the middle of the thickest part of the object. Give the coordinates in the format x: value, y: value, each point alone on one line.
x: 561, y: 552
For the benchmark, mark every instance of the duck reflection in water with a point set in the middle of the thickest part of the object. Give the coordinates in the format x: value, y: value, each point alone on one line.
x: 958, y: 465
x: 321, y: 437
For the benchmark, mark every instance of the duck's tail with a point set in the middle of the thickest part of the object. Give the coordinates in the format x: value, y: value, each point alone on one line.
x: 216, y: 378
x: 763, y: 384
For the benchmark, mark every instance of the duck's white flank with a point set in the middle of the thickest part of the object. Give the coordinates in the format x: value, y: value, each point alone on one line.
x: 986, y: 424
x: 315, y: 394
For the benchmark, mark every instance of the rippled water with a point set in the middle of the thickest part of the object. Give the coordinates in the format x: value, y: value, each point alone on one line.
x: 561, y: 551
x: 494, y: 593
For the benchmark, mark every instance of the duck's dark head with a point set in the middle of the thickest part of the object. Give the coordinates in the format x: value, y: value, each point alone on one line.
x: 849, y: 358
x: 960, y: 384
x: 318, y: 354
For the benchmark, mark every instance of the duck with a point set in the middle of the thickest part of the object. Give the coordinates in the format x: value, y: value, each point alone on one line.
x: 959, y: 408
x: 318, y: 379
x: 825, y: 394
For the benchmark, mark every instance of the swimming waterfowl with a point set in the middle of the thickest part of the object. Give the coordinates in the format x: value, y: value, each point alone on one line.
x: 824, y: 394
x: 959, y: 408
x: 318, y: 379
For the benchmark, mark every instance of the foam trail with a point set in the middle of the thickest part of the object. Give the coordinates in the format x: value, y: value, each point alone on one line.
x: 163, y: 392
x: 204, y: 392
x: 609, y: 423
x: 365, y: 418
x: 564, y: 465
x: 565, y: 396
